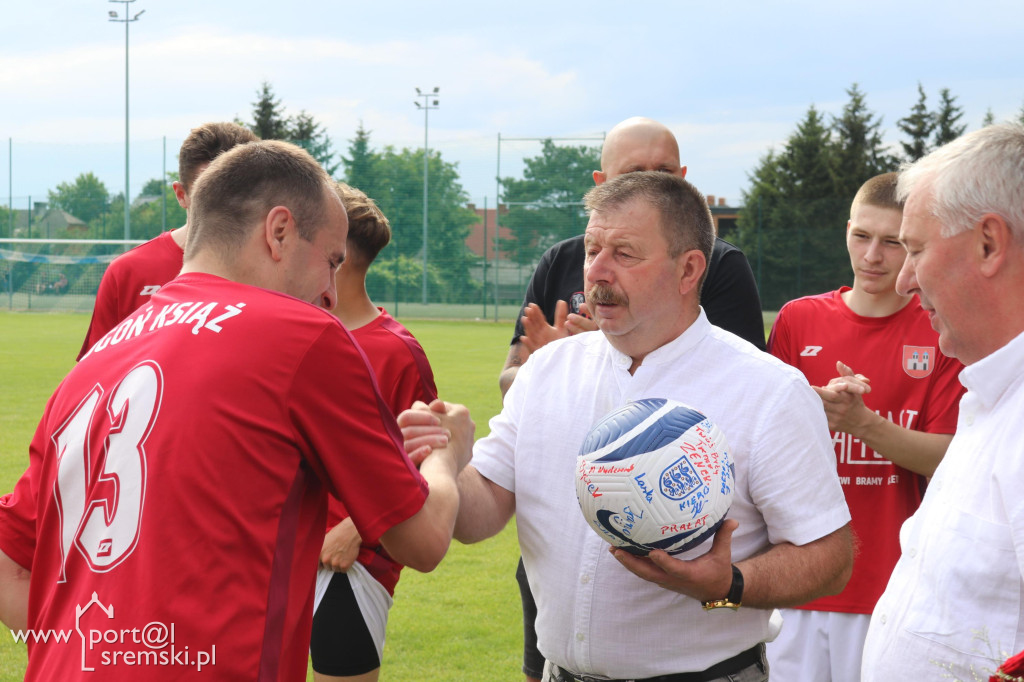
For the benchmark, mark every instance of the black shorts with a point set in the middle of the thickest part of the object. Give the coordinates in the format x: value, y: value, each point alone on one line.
x: 533, y: 661
x: 341, y: 644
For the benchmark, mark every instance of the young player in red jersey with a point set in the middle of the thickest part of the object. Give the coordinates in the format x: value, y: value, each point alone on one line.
x: 356, y: 581
x: 891, y: 424
x: 133, y: 277
x: 173, y: 509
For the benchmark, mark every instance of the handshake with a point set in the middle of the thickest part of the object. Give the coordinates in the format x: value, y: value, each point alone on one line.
x: 438, y: 429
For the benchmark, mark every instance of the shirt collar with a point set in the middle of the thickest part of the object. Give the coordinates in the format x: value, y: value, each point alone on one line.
x: 990, y: 377
x: 672, y: 350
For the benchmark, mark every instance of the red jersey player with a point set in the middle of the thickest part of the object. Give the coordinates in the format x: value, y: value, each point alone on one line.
x: 133, y: 277
x: 174, y: 505
x: 891, y: 424
x: 353, y: 595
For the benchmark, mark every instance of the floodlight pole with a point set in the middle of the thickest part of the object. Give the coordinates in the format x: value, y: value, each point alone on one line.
x: 126, y: 21
x: 426, y: 107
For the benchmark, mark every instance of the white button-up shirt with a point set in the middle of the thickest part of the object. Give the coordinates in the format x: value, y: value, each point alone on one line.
x: 954, y: 602
x: 594, y: 616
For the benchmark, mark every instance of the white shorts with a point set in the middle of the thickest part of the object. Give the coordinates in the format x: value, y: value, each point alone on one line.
x: 373, y: 600
x: 818, y: 646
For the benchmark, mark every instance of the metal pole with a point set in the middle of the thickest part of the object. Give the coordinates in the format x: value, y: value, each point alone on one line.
x: 163, y: 191
x: 127, y: 199
x: 10, y: 186
x: 426, y: 106
x: 759, y: 284
x: 127, y: 194
x: 426, y: 159
x: 485, y: 260
x: 497, y: 228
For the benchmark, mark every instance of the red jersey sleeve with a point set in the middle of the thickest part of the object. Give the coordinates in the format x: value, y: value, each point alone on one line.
x: 19, y: 509
x: 351, y: 438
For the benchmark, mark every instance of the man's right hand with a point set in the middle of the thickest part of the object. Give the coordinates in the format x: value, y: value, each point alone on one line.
x: 341, y: 547
x: 539, y: 334
x: 439, y: 425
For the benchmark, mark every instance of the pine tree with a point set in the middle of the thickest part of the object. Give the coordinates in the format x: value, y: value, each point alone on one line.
x: 791, y: 226
x: 858, y: 152
x: 361, y: 165
x: 918, y: 126
x: 989, y: 119
x: 946, y: 118
x: 268, y: 119
x: 306, y: 131
x: 805, y: 164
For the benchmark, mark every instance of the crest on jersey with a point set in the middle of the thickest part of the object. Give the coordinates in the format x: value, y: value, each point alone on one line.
x: 918, y: 361
x: 575, y: 301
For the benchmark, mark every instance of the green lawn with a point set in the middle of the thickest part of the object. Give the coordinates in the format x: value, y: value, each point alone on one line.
x: 461, y: 622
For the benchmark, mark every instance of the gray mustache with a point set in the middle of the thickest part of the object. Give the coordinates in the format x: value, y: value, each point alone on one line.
x: 601, y: 294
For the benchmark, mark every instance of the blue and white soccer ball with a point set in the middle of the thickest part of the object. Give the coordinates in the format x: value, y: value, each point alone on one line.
x: 655, y: 474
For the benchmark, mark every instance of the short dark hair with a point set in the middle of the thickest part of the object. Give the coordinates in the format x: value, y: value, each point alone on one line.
x: 243, y: 184
x: 368, y: 228
x: 685, y: 217
x: 879, y: 191
x: 204, y: 144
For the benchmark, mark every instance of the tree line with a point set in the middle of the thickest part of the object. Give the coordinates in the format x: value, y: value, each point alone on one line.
x: 791, y: 223
x: 794, y: 213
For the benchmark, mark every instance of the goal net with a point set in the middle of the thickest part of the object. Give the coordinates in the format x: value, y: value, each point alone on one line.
x: 55, y: 275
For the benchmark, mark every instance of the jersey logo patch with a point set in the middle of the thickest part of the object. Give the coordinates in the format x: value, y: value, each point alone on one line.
x: 810, y: 351
x: 149, y: 290
x: 918, y: 361
x: 575, y: 301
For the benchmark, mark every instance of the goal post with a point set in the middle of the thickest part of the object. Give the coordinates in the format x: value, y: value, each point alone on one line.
x: 55, y: 275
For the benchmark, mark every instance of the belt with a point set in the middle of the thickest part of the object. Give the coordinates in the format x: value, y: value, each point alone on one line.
x: 730, y: 666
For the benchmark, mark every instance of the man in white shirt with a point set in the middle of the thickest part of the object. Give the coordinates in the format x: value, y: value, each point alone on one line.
x: 954, y: 605
x: 612, y: 615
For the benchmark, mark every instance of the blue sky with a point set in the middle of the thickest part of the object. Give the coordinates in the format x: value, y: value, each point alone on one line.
x: 730, y: 78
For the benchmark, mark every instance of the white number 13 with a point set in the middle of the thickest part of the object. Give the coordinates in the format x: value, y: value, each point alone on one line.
x: 101, y: 472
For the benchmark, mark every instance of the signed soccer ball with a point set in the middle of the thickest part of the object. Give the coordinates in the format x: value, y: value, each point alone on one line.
x: 655, y: 474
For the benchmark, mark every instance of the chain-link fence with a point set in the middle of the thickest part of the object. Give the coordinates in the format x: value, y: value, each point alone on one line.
x: 484, y: 230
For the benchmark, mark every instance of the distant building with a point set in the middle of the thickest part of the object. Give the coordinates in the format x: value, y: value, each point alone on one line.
x: 724, y: 216
x: 486, y: 220
x: 502, y: 279
x: 46, y: 222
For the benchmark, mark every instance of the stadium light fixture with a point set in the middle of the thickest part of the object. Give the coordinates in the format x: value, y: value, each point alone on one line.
x: 426, y: 107
x: 126, y: 21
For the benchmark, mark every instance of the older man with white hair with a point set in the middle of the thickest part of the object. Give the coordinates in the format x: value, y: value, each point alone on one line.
x: 955, y: 602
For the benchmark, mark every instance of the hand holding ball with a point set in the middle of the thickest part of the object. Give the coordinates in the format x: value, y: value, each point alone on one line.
x: 655, y: 474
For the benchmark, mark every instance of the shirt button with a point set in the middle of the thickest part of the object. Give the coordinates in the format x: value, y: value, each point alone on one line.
x: 912, y: 552
x: 579, y: 637
x: 584, y: 580
x: 970, y: 420
x: 882, y: 619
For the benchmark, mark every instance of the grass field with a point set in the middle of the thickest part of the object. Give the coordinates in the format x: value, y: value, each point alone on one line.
x: 461, y: 622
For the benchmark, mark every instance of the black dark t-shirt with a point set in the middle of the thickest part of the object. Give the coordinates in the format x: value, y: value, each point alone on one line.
x: 729, y: 296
